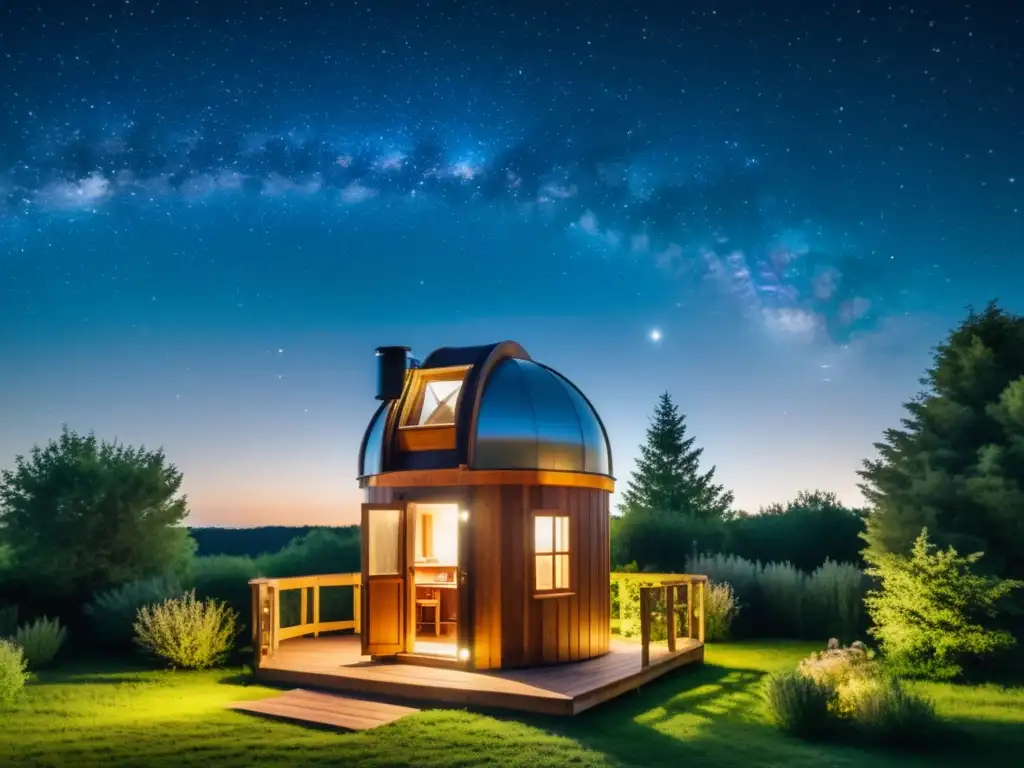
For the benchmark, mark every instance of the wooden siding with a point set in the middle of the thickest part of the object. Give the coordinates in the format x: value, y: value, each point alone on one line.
x: 556, y: 629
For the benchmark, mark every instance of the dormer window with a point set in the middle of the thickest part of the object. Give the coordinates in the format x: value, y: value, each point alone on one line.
x: 431, y: 403
x: 438, y: 403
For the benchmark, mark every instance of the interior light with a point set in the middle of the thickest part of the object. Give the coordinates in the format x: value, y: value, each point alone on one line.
x: 464, y: 515
x: 464, y: 654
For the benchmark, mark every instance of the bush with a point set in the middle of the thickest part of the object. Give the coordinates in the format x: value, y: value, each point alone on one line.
x: 40, y: 641
x: 835, y: 598
x: 933, y: 613
x: 720, y: 611
x: 13, y: 672
x: 799, y: 704
x: 112, y: 613
x: 884, y: 711
x: 188, y: 633
x: 225, y: 578
x: 783, y: 590
x: 837, y: 665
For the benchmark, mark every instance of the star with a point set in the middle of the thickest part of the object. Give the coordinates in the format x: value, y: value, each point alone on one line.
x: 655, y: 335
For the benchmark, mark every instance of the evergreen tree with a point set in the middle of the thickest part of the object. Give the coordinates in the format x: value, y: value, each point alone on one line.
x: 667, y: 477
x: 956, y: 467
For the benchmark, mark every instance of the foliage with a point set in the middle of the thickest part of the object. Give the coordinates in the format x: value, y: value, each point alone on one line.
x: 783, y: 593
x: 41, y: 641
x: 835, y: 600
x: 8, y: 620
x: 956, y: 467
x: 188, y: 633
x: 708, y: 717
x: 82, y: 515
x: 885, y: 711
x: 662, y: 540
x: 225, y: 578
x: 807, y: 531
x: 112, y: 613
x: 321, y: 551
x: 13, y: 672
x: 933, y: 613
x: 799, y: 704
x: 720, y: 611
x: 781, y: 601
x: 667, y: 477
x: 837, y: 665
x: 253, y: 542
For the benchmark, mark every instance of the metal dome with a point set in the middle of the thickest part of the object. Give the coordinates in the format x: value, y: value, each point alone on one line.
x: 531, y: 417
x: 512, y: 413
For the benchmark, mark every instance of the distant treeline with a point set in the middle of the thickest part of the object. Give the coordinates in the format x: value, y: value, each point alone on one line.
x: 252, y: 542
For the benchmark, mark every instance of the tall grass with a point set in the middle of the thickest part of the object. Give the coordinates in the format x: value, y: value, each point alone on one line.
x: 782, y: 601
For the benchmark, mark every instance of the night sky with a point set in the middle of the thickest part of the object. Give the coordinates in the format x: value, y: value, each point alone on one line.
x: 212, y: 213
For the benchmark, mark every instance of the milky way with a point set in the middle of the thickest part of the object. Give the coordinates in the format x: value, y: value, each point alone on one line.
x: 710, y: 217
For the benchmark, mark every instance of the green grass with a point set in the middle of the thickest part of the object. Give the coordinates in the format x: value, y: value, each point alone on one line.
x: 708, y: 716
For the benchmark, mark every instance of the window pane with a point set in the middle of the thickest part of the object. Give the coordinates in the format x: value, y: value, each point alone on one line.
x: 561, y: 534
x: 544, y: 580
x: 383, y: 541
x: 542, y: 533
x: 439, y: 399
x: 561, y: 571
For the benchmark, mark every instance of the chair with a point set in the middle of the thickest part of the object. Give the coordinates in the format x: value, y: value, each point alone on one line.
x: 432, y: 600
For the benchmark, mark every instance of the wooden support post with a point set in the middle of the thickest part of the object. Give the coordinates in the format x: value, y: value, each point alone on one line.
x: 257, y: 592
x: 689, y: 610
x: 275, y: 618
x: 645, y: 626
x: 316, y: 609
x: 670, y: 617
x: 303, y: 606
x: 357, y: 608
x: 703, y: 599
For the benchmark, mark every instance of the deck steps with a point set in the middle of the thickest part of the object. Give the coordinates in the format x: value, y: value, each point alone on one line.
x: 325, y: 709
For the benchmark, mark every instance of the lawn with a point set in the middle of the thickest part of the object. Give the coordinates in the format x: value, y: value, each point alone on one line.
x: 709, y: 716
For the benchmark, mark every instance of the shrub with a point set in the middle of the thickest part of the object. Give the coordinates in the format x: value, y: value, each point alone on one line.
x: 225, y: 578
x: 884, y: 711
x: 112, y: 613
x: 799, y: 704
x: 722, y: 607
x: 782, y: 589
x: 837, y: 665
x: 40, y: 641
x: 835, y: 597
x: 188, y: 633
x: 13, y: 672
x: 933, y: 613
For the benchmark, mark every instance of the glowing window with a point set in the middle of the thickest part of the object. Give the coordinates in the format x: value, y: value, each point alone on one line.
x: 551, y: 553
x: 439, y: 399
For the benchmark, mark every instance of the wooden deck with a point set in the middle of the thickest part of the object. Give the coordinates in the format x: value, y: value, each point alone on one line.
x: 329, y: 709
x: 334, y: 663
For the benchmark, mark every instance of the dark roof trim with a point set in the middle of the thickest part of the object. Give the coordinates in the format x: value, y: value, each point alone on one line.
x: 366, y: 435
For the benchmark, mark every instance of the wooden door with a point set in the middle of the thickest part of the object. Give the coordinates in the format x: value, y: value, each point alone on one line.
x: 385, y: 571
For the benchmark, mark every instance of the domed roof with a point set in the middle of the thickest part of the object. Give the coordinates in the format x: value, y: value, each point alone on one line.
x: 506, y: 410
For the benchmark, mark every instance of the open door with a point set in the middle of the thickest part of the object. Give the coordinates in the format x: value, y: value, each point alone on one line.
x: 384, y: 579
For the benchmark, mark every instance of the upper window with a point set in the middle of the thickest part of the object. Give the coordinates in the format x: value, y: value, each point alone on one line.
x: 439, y: 399
x: 551, y: 552
x: 434, y: 397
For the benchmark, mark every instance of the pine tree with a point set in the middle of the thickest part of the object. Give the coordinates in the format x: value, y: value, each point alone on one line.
x: 956, y: 467
x: 667, y: 477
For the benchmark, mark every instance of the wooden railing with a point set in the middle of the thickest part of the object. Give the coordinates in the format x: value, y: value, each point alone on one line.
x: 267, y: 632
x: 676, y: 591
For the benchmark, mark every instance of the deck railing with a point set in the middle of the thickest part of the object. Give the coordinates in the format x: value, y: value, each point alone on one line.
x: 660, y: 594
x: 678, y: 597
x: 267, y: 632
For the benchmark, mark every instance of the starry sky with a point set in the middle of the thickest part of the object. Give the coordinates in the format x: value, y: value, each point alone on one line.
x: 212, y: 213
